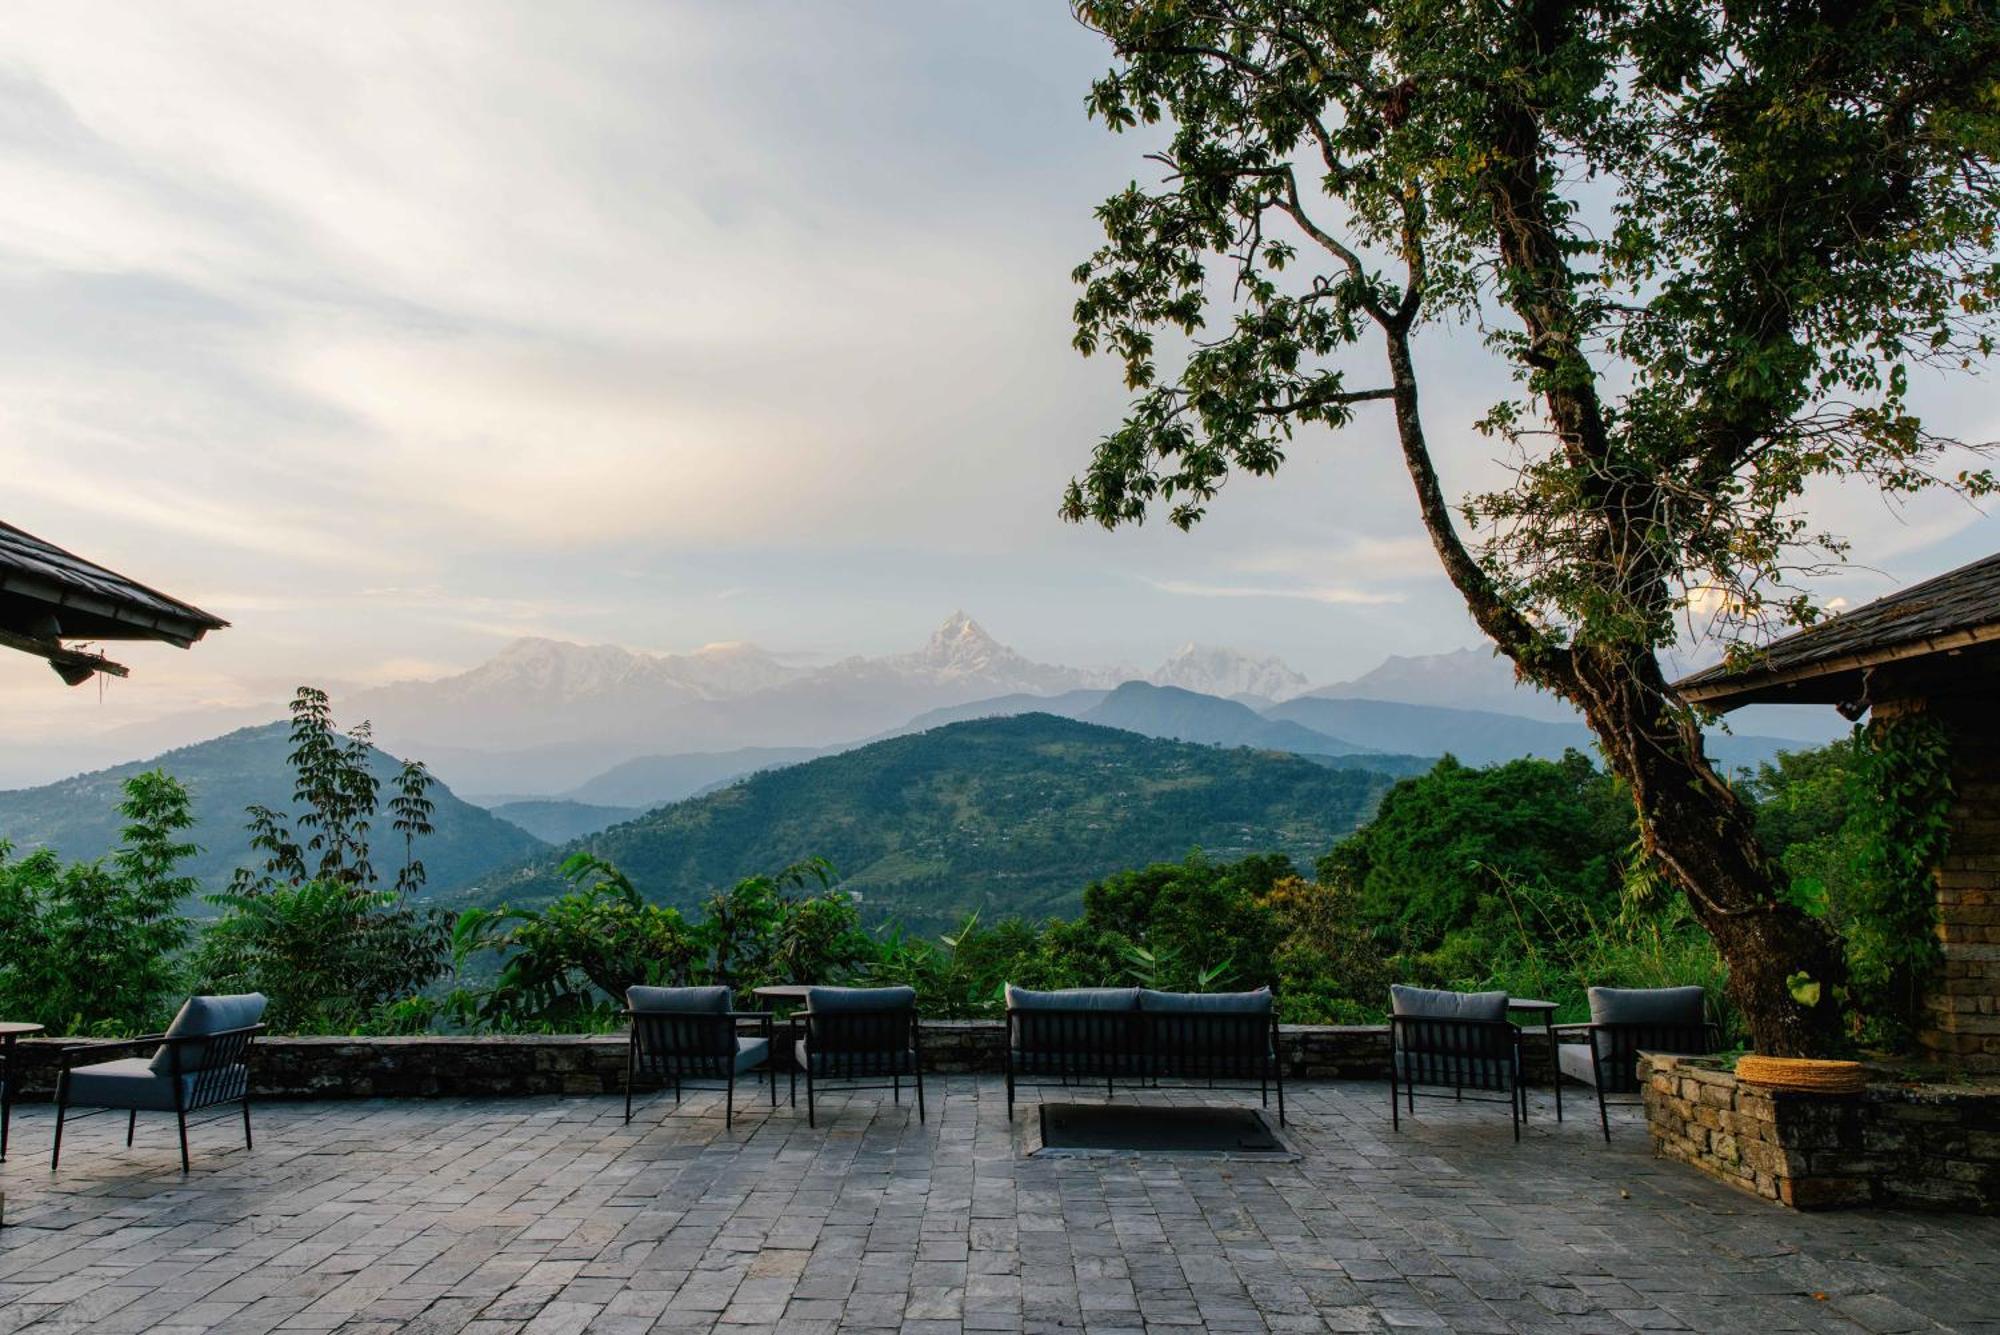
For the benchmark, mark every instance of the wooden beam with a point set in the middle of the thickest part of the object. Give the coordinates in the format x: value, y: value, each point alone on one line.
x: 73, y: 665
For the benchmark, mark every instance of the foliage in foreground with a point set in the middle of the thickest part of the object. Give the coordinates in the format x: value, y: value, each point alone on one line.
x: 1515, y: 876
x: 90, y: 948
x: 315, y: 929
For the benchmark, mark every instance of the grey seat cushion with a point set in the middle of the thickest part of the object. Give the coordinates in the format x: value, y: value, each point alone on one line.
x: 206, y: 1015
x: 1647, y: 1005
x: 1434, y: 1004
x: 698, y: 1000
x: 1207, y: 1003
x: 133, y: 1083
x: 1073, y: 999
x: 751, y: 1052
x: 845, y: 1064
x: 833, y: 1000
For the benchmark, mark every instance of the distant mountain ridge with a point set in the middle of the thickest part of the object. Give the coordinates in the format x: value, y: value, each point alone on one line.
x: 78, y: 817
x: 1003, y: 815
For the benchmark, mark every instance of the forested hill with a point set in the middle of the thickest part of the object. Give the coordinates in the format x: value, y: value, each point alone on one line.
x: 79, y: 819
x: 1004, y: 815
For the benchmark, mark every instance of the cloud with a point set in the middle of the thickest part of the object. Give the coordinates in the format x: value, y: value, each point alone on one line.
x: 1334, y: 595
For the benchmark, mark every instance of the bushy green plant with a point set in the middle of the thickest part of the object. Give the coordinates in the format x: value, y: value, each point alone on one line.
x: 312, y: 928
x: 567, y: 965
x: 94, y: 949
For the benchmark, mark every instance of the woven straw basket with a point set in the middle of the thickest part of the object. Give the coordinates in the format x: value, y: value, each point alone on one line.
x: 1802, y: 1075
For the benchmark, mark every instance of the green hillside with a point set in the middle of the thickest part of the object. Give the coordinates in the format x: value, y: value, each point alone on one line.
x: 1007, y: 815
x: 79, y: 817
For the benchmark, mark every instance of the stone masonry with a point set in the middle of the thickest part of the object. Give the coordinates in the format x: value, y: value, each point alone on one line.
x: 1964, y: 1003
x: 1924, y: 1147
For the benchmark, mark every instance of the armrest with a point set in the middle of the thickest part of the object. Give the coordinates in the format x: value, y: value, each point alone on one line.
x: 752, y: 1015
x: 1574, y: 1029
x: 71, y: 1051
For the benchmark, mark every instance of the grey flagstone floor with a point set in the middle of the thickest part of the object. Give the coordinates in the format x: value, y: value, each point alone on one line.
x: 550, y: 1215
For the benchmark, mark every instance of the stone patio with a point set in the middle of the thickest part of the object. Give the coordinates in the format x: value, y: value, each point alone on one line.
x: 550, y: 1215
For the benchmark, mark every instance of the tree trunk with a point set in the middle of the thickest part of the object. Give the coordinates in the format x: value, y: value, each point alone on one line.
x: 1784, y: 966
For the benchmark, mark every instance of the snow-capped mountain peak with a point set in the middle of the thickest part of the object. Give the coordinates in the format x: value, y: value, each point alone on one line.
x: 1229, y: 673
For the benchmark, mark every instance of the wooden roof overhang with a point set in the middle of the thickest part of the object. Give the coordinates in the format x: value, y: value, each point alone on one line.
x: 1941, y: 634
x: 48, y: 595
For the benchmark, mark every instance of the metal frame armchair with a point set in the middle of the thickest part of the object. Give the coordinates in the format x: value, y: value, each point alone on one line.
x: 691, y: 1033
x: 1626, y: 1021
x: 857, y: 1035
x: 1459, y: 1040
x: 201, y: 1061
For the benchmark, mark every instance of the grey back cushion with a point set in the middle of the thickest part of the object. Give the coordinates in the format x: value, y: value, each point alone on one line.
x: 1647, y: 1005
x: 834, y: 1000
x: 1073, y: 999
x: 700, y: 1000
x: 1207, y: 1003
x: 1433, y: 1004
x: 206, y: 1015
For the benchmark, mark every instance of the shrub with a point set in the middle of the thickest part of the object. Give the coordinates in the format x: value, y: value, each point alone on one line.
x: 95, y: 949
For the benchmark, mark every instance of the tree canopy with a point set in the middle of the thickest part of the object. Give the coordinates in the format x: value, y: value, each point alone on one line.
x: 1711, y: 244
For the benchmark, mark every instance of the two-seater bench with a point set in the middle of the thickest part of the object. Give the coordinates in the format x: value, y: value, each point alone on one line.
x: 1137, y: 1035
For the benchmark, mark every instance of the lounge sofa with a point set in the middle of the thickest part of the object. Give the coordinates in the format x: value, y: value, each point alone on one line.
x: 1141, y: 1036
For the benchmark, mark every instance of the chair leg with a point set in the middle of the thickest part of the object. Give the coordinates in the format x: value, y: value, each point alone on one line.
x: 131, y: 1125
x: 247, y: 1144
x: 896, y: 1087
x: 1395, y: 1105
x: 729, y: 1103
x: 180, y: 1115
x: 1514, y: 1112
x: 628, y: 1086
x: 1603, y: 1115
x: 920, y: 1094
x: 62, y: 1108
x: 811, y: 1116
x: 1010, y: 1095
x: 1278, y: 1079
x: 771, y: 1079
x: 794, y: 1076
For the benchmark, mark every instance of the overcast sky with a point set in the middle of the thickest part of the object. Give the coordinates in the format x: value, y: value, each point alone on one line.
x: 392, y: 332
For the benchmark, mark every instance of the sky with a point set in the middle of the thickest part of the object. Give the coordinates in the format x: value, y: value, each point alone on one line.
x: 391, y: 333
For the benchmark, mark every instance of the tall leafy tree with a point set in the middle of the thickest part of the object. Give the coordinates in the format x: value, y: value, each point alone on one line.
x: 1710, y: 242
x: 313, y: 928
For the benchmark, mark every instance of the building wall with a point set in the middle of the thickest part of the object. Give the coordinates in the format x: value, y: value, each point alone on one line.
x: 1964, y: 1005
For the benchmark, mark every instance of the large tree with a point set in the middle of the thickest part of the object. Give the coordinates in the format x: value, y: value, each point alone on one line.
x: 1711, y: 243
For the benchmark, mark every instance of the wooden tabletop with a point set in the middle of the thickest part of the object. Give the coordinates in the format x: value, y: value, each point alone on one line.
x: 18, y: 1029
x: 782, y: 991
x: 1529, y: 1004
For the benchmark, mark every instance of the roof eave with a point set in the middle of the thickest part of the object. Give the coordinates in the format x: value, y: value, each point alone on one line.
x: 1753, y: 686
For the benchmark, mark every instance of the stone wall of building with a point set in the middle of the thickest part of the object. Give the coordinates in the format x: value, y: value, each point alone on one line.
x: 1930, y: 1147
x: 1964, y: 1003
x: 429, y: 1066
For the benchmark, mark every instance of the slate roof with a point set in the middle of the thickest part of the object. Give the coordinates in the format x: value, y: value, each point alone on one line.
x: 1953, y: 614
x: 39, y: 579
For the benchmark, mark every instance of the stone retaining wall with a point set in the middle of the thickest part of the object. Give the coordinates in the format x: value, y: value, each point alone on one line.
x: 441, y: 1066
x: 1928, y: 1147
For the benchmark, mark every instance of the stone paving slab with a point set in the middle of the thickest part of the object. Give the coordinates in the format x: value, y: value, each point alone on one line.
x: 550, y: 1216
